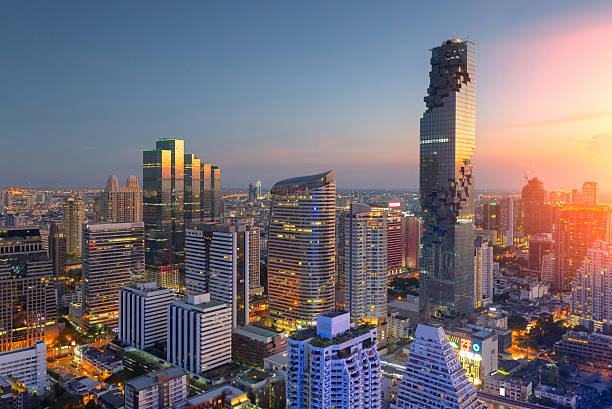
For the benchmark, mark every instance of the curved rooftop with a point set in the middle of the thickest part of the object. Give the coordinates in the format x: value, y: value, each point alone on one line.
x: 306, y: 182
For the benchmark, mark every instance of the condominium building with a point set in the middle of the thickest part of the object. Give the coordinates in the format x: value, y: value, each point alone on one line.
x: 160, y: 389
x: 301, y: 249
x: 396, y: 236
x: 218, y: 261
x: 434, y: 377
x: 199, y: 333
x: 448, y: 128
x: 28, y: 365
x: 119, y: 204
x: 112, y: 253
x: 57, y: 248
x: 74, y: 217
x: 413, y: 229
x: 143, y: 314
x: 362, y: 240
x: 483, y: 273
x: 27, y: 291
x: 334, y: 366
x: 592, y: 290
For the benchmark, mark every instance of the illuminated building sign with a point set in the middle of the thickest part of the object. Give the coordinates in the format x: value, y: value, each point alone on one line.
x: 470, y: 356
x: 395, y: 204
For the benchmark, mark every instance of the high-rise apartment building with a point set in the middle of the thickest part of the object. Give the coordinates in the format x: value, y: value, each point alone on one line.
x: 112, y: 253
x: 143, y: 314
x: 57, y: 248
x: 538, y: 246
x: 334, y: 366
x: 536, y: 212
x: 362, y: 276
x: 413, y: 230
x: 592, y: 289
x: 119, y: 204
x: 218, y: 261
x: 193, y: 186
x: 216, y: 193
x: 576, y: 228
x: 301, y: 249
x: 549, y: 265
x: 74, y: 217
x: 590, y: 193
x: 28, y: 365
x: 396, y: 236
x: 434, y: 377
x: 448, y: 129
x: 27, y: 291
x: 199, y: 333
x: 483, y: 273
x: 166, y: 388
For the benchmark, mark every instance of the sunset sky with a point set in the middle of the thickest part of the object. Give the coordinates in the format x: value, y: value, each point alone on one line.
x: 279, y: 89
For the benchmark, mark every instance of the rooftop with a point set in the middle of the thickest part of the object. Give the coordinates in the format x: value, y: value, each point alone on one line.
x: 154, y: 377
x: 306, y: 182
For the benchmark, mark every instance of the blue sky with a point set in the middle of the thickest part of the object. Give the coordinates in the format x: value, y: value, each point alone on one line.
x: 263, y: 89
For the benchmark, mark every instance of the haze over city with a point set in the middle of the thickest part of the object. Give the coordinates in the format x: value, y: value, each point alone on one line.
x: 270, y: 89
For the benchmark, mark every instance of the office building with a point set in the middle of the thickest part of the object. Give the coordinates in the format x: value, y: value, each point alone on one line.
x: 199, y: 333
x: 119, y: 204
x: 395, y: 236
x: 491, y: 216
x: 538, y: 246
x: 333, y: 366
x: 483, y: 273
x: 510, y: 219
x: 143, y: 314
x: 362, y: 276
x: 28, y: 365
x: 112, y: 254
x: 57, y: 248
x: 592, y: 290
x: 258, y: 191
x: 27, y: 291
x: 193, y: 186
x: 252, y: 344
x: 74, y: 217
x: 537, y: 213
x: 160, y: 389
x: 595, y: 348
x: 301, y: 249
x: 477, y: 350
x: 448, y: 129
x: 217, y: 261
x: 576, y: 228
x: 413, y: 229
x: 434, y: 377
x: 590, y: 193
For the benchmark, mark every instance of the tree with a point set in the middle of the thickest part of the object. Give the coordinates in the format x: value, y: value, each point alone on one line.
x: 517, y: 322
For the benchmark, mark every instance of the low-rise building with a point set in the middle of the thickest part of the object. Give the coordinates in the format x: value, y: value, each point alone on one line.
x: 556, y: 394
x: 161, y: 389
x: 252, y: 343
x: 595, y: 348
x: 223, y: 397
x: 398, y: 325
x: 28, y: 365
x: 13, y: 394
x: 508, y: 386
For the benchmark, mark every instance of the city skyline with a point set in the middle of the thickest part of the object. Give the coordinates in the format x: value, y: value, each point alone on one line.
x: 292, y: 103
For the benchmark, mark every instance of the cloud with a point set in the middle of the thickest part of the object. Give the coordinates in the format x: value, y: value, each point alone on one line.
x: 601, y: 144
x: 583, y: 116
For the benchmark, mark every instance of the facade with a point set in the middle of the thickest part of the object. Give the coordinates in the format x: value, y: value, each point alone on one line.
x: 119, y: 204
x: 576, y: 228
x: 57, y: 248
x: 27, y: 291
x: 483, y: 273
x: 161, y: 389
x: 537, y: 213
x: 333, y: 366
x: 143, y: 314
x: 592, y: 290
x: 434, y: 377
x: 74, y: 217
x: 509, y: 386
x: 413, y: 230
x: 538, y: 246
x: 193, y: 186
x: 590, y: 193
x: 362, y: 276
x: 491, y: 216
x: 199, y: 333
x: 28, y: 365
x: 477, y: 350
x: 549, y: 265
x: 448, y: 129
x: 218, y: 261
x: 596, y: 348
x: 253, y: 344
x: 396, y: 236
x: 301, y: 249
x: 112, y: 253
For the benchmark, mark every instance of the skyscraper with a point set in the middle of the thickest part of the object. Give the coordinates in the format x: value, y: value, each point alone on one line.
x: 434, y: 377
x: 483, y: 273
x: 258, y: 192
x: 216, y: 193
x: 334, y: 366
x: 217, y: 261
x: 590, y: 192
x: 57, y: 247
x: 119, y: 204
x: 448, y: 129
x: 74, y: 216
x: 490, y: 216
x: 111, y: 254
x: 537, y: 213
x: 193, y: 186
x: 301, y: 248
x: 413, y: 230
x: 592, y: 290
x: 395, y: 235
x: 576, y: 228
x: 362, y: 279
x: 210, y: 191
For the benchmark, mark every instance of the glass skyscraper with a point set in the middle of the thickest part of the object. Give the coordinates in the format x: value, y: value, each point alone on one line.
x: 448, y: 129
x: 301, y: 249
